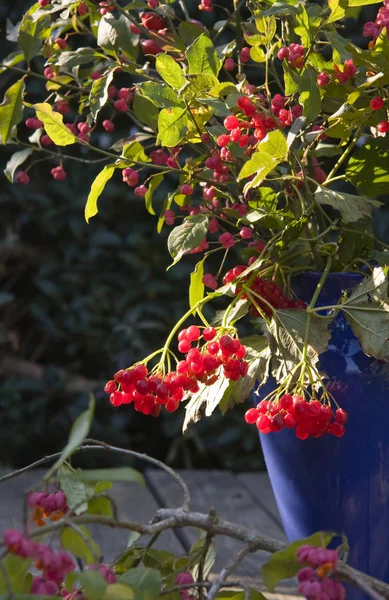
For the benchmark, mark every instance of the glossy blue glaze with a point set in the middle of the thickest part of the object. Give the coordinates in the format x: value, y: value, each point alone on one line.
x: 339, y: 484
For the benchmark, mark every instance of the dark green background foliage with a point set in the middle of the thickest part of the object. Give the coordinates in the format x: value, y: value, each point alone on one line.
x: 90, y: 299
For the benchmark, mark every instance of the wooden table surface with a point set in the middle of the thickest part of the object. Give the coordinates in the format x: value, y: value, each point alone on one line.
x: 246, y: 499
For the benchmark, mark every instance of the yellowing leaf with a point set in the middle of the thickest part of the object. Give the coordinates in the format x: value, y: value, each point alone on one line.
x: 11, y: 110
x: 54, y: 125
x: 97, y: 187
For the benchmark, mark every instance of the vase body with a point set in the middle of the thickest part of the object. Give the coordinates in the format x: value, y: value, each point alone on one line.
x: 339, y: 484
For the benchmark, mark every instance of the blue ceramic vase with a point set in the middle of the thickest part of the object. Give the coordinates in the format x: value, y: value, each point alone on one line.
x: 339, y: 484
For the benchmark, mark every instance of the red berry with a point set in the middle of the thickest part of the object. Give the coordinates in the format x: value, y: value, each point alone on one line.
x: 337, y: 429
x: 182, y: 335
x: 322, y: 79
x: 231, y: 122
x: 150, y: 47
x: 108, y: 125
x: 140, y: 372
x: 376, y: 103
x: 263, y: 424
x: 302, y: 432
x: 58, y: 173
x: 152, y: 21
x: 140, y: 191
x: 229, y: 64
x: 43, y: 3
x: 125, y: 94
x: 22, y: 178
x: 186, y: 189
x: 172, y: 405
x: 245, y: 54
x: 116, y: 399
x: 95, y: 75
x: 121, y: 105
x: 382, y: 127
x: 135, y: 29
x: 61, y: 43
x: 213, y: 348
x: 341, y: 416
x: 184, y: 346
x: 82, y: 9
x: 110, y: 387
x: 153, y: 3
x: 289, y: 421
x: 283, y: 53
x: 223, y: 140
x: 192, y: 333
x: 286, y: 402
x: 251, y: 416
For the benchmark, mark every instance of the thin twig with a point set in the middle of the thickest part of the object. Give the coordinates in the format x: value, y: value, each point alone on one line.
x: 365, y: 582
x: 225, y: 572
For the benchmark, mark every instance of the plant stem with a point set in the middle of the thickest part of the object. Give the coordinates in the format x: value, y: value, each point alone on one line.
x: 39, y: 76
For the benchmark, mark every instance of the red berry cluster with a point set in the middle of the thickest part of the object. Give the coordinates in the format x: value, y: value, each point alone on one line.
x: 373, y: 29
x: 269, y: 291
x: 47, y: 506
x: 317, y: 581
x: 149, y: 392
x: 55, y: 565
x: 206, y: 5
x: 309, y: 418
x: 106, y: 7
x: 343, y: 76
x: 294, y: 54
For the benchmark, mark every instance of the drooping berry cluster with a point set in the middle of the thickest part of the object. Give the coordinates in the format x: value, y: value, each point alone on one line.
x: 374, y: 28
x: 47, y: 506
x: 317, y: 581
x: 342, y: 75
x: 149, y: 392
x: 185, y: 579
x: 309, y: 418
x: 268, y: 290
x: 54, y: 565
x: 294, y: 54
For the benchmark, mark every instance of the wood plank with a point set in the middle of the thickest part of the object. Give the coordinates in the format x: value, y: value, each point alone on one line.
x: 232, y: 501
x: 259, y: 485
x: 133, y: 502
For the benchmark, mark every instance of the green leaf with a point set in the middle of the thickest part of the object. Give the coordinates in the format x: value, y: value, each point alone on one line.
x: 223, y: 89
x: 114, y: 34
x: 154, y: 182
x: 202, y: 57
x: 188, y: 236
x: 11, y: 60
x: 338, y: 10
x: 97, y: 187
x: 86, y: 549
x: 266, y: 28
x: 74, y: 58
x: 351, y: 207
x: 257, y: 54
x: 117, y: 474
x: 367, y: 311
x: 270, y: 152
x: 283, y: 564
x: 146, y: 111
x: 362, y: 2
x: 280, y: 8
x: 287, y: 332
x: 291, y: 79
x: 135, y: 151
x: 98, y: 95
x: 196, y: 289
x: 309, y: 94
x: 16, y: 569
x: 172, y: 126
x: 78, y: 433
x: 196, y: 556
x: 93, y: 584
x: 100, y: 505
x: 54, y: 125
x: 189, y: 32
x: 32, y: 34
x: 368, y: 169
x: 145, y: 582
x: 170, y: 71
x: 160, y: 94
x: 77, y: 493
x: 15, y: 161
x: 119, y: 591
x: 11, y: 110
